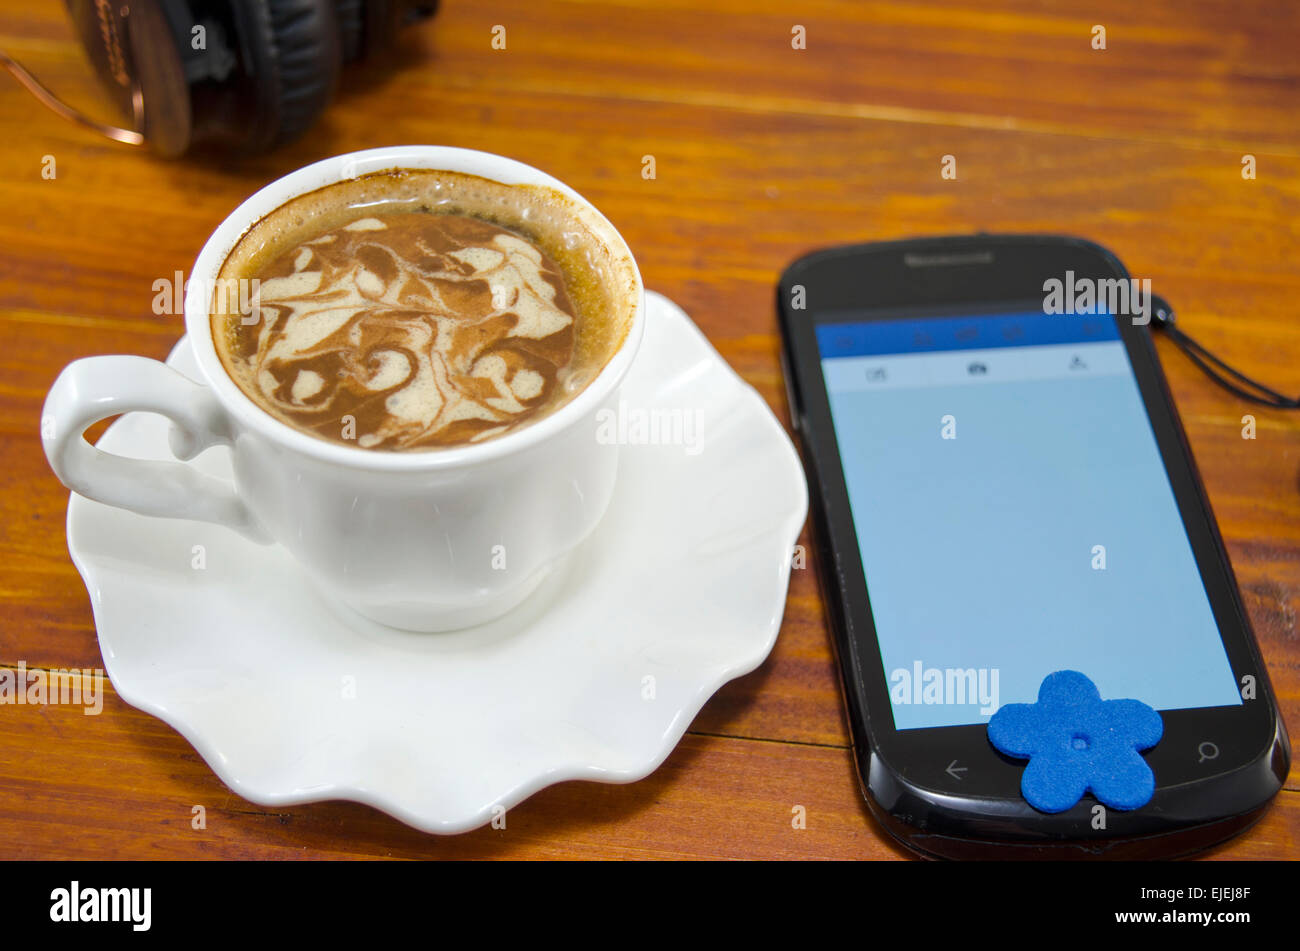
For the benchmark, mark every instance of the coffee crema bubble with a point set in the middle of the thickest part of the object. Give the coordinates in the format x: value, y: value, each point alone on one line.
x: 417, y: 310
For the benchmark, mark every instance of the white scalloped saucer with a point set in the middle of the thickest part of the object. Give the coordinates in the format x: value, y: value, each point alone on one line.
x: 596, y: 676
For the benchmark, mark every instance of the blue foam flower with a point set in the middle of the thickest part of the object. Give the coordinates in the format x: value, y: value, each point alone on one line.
x: 1076, y: 742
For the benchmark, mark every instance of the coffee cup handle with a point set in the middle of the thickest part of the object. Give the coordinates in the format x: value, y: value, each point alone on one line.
x: 95, y: 388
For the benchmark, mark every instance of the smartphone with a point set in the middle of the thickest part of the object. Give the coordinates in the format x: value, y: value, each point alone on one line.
x: 1003, y: 489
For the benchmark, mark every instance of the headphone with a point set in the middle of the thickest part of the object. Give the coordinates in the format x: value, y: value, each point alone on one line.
x: 242, y: 75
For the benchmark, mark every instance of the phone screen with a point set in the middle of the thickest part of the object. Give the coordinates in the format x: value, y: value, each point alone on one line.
x: 1014, y: 515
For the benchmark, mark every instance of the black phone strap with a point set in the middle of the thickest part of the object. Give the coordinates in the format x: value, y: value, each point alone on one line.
x: 1218, y: 371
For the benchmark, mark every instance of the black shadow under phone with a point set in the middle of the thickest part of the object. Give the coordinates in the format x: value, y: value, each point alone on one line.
x: 1003, y: 489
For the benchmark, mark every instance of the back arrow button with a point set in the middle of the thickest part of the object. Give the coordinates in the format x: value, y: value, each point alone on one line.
x: 955, y: 771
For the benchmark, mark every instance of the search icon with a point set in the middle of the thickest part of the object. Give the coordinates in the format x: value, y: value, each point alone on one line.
x: 1208, y: 751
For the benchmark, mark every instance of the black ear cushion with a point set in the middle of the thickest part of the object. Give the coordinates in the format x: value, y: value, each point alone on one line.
x: 303, y: 36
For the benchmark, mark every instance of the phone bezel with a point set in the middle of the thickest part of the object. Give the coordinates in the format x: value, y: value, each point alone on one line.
x: 963, y: 275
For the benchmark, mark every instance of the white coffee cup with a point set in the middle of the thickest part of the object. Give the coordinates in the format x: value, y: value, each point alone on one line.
x: 426, y: 541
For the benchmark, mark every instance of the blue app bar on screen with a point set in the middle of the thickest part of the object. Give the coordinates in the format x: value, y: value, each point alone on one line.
x: 932, y: 334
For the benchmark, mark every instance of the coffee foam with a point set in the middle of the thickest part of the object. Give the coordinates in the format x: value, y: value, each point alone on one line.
x: 495, y: 326
x: 424, y: 329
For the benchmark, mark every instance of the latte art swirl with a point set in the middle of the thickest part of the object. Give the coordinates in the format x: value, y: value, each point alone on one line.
x: 416, y: 329
x: 409, y: 310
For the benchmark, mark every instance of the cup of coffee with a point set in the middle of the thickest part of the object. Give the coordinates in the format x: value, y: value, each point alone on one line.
x: 406, y: 351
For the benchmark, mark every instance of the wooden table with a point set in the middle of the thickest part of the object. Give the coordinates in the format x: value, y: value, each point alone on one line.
x: 762, y: 152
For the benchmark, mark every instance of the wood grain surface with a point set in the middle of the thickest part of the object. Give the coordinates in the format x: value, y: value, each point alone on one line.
x: 762, y: 152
